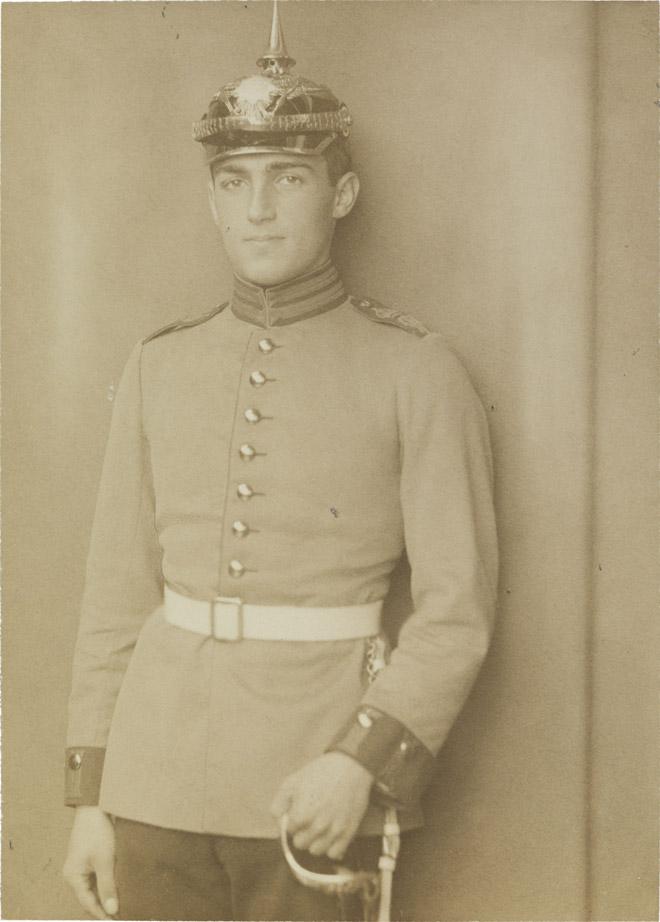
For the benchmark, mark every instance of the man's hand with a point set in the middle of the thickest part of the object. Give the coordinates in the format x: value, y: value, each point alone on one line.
x: 90, y: 864
x: 325, y: 802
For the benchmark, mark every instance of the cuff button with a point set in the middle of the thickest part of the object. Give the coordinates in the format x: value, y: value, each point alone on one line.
x: 364, y: 720
x: 75, y: 761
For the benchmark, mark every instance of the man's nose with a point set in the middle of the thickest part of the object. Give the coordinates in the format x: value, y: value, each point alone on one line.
x: 261, y: 207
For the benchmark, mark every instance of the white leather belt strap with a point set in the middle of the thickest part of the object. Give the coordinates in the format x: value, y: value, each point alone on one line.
x: 230, y: 619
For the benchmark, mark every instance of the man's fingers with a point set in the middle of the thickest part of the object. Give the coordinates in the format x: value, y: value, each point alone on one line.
x: 86, y: 897
x: 341, y: 841
x: 105, y: 885
x: 111, y: 906
x: 317, y: 827
x: 321, y: 844
x: 338, y: 848
x: 302, y: 815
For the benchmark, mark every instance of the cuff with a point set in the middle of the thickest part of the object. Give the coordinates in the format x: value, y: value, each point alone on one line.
x: 82, y: 775
x: 400, y: 763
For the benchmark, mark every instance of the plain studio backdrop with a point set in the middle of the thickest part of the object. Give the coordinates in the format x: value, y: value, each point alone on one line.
x: 507, y: 152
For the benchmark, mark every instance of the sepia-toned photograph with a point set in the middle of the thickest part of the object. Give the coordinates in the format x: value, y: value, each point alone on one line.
x: 329, y: 497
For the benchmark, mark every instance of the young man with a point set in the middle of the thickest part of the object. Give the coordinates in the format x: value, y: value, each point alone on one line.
x: 266, y: 466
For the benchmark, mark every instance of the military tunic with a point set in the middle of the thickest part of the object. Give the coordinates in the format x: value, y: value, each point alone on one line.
x: 284, y: 449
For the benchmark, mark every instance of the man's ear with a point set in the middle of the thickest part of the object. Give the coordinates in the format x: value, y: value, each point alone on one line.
x: 212, y: 203
x: 346, y: 193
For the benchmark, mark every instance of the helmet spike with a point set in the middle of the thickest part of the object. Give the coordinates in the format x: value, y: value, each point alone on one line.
x: 275, y: 59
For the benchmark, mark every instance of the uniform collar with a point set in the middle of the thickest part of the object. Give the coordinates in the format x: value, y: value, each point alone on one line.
x: 310, y: 294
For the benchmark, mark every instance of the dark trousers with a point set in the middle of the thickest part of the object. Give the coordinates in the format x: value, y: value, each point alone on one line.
x: 168, y: 874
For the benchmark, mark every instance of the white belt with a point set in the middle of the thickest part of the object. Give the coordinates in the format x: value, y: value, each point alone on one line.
x: 230, y: 619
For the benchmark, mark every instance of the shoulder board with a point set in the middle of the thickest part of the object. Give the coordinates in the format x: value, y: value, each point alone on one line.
x: 184, y: 324
x: 381, y: 314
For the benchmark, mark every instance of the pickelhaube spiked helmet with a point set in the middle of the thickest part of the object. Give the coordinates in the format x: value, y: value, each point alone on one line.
x: 272, y: 111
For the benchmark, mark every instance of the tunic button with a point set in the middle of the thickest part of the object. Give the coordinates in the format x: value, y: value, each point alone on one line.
x: 75, y: 761
x: 247, y: 452
x: 240, y: 529
x: 257, y: 379
x: 252, y: 415
x: 236, y: 569
x: 244, y: 490
x: 364, y: 720
x: 266, y: 346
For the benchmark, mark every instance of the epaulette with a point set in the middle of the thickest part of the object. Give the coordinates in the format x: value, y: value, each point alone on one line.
x: 381, y: 314
x: 185, y: 323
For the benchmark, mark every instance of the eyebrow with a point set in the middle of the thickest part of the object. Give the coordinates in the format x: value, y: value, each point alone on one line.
x: 275, y: 167
x: 288, y: 165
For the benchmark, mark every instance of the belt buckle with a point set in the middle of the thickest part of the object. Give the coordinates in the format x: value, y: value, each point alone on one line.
x: 231, y: 608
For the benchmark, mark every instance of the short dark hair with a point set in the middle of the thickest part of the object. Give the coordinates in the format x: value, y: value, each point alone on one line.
x: 338, y: 158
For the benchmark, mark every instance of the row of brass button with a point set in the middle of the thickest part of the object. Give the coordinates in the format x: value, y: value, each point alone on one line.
x: 247, y: 452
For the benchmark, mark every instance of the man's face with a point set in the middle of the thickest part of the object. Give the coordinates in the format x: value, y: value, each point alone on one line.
x: 276, y: 214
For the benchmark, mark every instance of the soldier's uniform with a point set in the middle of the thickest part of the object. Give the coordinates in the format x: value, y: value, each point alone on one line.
x: 282, y: 451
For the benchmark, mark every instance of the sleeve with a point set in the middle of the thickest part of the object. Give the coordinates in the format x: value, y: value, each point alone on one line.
x: 123, y: 585
x: 449, y: 527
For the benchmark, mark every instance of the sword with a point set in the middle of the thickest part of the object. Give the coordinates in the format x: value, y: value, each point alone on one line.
x: 371, y: 885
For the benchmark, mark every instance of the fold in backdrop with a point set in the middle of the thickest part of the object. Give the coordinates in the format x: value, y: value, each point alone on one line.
x: 507, y: 152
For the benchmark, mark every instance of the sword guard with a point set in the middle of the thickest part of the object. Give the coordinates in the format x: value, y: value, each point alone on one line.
x: 342, y: 881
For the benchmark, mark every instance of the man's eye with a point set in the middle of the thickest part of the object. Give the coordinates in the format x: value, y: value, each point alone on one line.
x: 231, y: 183
x: 288, y: 179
